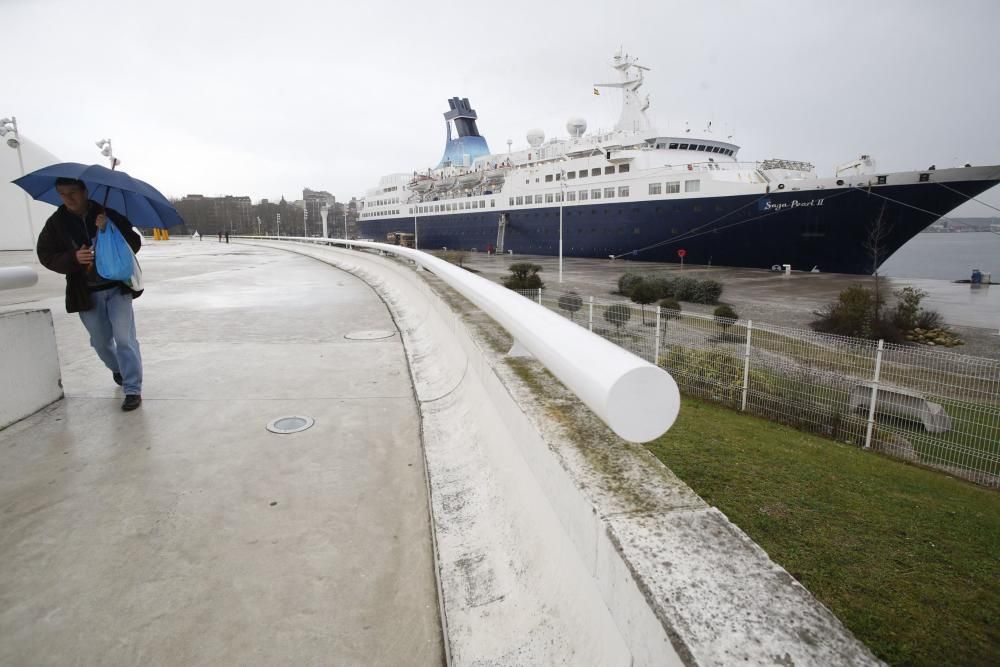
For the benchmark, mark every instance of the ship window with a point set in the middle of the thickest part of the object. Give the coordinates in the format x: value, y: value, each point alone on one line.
x: 493, y: 203
x: 570, y: 196
x: 571, y: 175
x: 558, y: 176
x: 655, y: 188
x: 548, y: 178
x: 584, y: 195
x: 623, y: 191
x: 672, y: 146
x: 609, y: 170
x: 924, y: 178
x: 623, y: 169
x: 609, y: 193
x: 548, y: 198
x: 683, y: 147
x: 538, y: 199
x: 692, y: 186
x: 595, y: 172
x: 595, y: 194
x: 437, y: 208
x: 520, y: 201
x: 583, y: 173
x: 881, y: 180
x: 510, y: 201
x: 672, y: 187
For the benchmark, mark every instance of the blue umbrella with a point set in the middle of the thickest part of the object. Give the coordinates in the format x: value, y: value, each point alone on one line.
x: 137, y: 200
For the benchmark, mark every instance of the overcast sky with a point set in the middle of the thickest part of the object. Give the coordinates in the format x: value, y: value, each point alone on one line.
x: 263, y: 98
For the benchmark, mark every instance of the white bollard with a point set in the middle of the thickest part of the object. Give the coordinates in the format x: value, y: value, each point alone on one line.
x: 17, y: 277
x: 788, y: 269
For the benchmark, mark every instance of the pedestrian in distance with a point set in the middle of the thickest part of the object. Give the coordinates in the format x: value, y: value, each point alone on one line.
x: 227, y: 237
x: 66, y: 245
x: 220, y: 237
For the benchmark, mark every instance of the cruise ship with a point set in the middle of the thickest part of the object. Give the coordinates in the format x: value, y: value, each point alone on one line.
x: 636, y: 193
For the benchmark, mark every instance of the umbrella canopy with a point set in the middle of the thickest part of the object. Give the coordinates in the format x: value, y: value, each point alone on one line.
x: 137, y: 200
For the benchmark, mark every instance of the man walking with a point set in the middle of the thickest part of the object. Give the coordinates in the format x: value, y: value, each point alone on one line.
x: 66, y: 245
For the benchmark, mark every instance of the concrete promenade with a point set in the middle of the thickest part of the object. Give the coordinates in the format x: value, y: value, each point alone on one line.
x: 185, y: 532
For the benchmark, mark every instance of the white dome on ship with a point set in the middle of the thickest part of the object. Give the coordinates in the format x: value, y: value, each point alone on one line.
x: 576, y: 126
x: 16, y: 230
x: 536, y: 137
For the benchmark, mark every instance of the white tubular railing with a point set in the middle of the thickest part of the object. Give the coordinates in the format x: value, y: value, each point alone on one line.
x: 17, y: 277
x: 638, y: 400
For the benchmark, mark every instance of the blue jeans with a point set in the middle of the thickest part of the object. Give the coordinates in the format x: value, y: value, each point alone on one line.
x: 111, y: 325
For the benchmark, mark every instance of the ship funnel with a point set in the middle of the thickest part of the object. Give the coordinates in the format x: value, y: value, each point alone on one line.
x: 469, y: 144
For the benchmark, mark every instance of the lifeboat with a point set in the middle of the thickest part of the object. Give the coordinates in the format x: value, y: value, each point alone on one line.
x: 470, y: 179
x: 446, y: 183
x: 421, y: 184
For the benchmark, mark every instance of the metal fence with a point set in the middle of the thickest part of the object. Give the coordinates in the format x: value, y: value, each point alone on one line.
x: 927, y: 406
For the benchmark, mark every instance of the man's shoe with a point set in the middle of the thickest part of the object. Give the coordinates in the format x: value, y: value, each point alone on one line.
x: 131, y: 402
x: 117, y: 377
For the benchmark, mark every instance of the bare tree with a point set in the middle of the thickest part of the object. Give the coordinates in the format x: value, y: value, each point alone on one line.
x: 875, y: 243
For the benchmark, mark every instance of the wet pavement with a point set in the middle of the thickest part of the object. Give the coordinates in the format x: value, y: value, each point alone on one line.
x: 185, y: 532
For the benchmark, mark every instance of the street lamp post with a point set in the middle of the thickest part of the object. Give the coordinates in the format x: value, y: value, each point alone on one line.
x: 562, y: 197
x: 278, y: 222
x: 345, y: 224
x: 10, y: 125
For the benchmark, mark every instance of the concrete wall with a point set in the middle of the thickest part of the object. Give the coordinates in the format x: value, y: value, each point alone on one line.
x: 30, y: 377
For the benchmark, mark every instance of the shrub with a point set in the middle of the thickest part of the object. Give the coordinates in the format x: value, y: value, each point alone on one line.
x: 663, y: 287
x: 929, y: 319
x: 853, y: 314
x: 644, y: 293
x: 669, y: 305
x: 524, y: 275
x: 628, y: 282
x: 684, y: 288
x: 707, y: 291
x: 570, y: 302
x: 907, y: 308
x: 618, y: 314
x: 850, y: 315
x: 725, y: 316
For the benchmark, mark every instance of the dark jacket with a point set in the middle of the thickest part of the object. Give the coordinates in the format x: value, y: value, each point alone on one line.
x: 63, y: 234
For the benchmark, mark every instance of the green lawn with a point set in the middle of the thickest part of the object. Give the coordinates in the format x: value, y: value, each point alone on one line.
x: 907, y: 558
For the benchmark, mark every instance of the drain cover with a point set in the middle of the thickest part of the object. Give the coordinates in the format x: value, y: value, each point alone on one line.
x: 290, y: 424
x: 368, y: 335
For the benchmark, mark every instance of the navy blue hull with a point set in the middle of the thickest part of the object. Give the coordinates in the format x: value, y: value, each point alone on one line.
x: 830, y: 229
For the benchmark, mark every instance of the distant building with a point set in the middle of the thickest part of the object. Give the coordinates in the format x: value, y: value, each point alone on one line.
x: 216, y: 214
x: 313, y: 202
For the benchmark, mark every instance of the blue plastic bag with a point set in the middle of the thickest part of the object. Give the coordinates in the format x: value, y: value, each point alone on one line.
x: 113, y: 255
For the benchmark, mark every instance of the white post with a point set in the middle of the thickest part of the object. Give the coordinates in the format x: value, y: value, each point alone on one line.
x: 416, y: 246
x: 560, y: 240
x: 656, y: 340
x: 323, y: 215
x: 539, y: 296
x: 788, y: 269
x: 345, y: 223
x: 871, y: 406
x: 746, y: 367
x: 590, y: 316
x: 27, y: 199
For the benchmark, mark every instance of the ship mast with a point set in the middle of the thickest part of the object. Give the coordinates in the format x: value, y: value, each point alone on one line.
x: 633, y: 116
